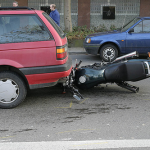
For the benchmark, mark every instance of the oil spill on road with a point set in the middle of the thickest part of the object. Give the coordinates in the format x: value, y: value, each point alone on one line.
x: 101, y: 108
x: 24, y: 130
x: 4, y: 130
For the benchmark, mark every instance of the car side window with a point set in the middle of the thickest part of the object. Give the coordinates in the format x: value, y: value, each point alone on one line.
x: 146, y: 26
x: 22, y: 28
x: 138, y: 28
x: 142, y: 27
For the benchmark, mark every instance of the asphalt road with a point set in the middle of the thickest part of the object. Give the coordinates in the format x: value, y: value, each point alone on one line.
x: 107, y: 115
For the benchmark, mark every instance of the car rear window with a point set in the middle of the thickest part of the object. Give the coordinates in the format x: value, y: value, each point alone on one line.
x: 55, y: 26
x: 22, y: 28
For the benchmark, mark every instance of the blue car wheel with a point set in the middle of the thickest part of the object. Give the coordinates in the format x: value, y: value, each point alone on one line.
x: 108, y: 53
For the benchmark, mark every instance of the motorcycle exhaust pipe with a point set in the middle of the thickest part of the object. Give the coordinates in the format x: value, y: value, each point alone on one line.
x: 128, y: 87
x: 134, y: 89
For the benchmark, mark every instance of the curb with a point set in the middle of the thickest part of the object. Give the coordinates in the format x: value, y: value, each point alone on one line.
x: 71, y: 53
x: 77, y: 50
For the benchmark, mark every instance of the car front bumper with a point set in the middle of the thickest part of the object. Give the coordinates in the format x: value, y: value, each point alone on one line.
x: 92, y: 48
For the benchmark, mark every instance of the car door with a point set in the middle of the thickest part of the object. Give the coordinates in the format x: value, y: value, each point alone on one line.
x: 139, y: 39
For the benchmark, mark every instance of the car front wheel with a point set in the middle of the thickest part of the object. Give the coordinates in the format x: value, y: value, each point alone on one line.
x: 12, y: 90
x: 108, y: 53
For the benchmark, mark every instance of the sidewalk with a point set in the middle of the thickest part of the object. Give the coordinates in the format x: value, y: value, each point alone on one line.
x: 73, y: 50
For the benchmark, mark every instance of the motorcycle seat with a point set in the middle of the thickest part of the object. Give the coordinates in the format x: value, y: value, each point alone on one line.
x: 126, y: 71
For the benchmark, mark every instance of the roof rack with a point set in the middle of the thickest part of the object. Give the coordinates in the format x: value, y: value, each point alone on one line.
x: 15, y: 8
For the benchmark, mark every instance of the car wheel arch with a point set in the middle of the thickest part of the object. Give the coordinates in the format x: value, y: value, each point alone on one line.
x: 16, y: 71
x: 118, y: 48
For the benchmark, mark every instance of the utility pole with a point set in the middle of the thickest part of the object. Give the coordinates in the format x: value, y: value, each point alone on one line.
x: 67, y: 15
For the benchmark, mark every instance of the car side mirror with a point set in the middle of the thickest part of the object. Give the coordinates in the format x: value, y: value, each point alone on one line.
x: 131, y: 30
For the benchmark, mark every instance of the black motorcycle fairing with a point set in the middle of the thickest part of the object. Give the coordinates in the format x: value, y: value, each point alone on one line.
x: 126, y: 71
x: 92, y: 75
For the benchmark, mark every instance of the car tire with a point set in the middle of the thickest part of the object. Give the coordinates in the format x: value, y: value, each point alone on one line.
x: 108, y: 51
x: 12, y: 90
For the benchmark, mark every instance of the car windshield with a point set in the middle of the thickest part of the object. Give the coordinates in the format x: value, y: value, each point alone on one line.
x: 129, y: 24
x: 55, y: 26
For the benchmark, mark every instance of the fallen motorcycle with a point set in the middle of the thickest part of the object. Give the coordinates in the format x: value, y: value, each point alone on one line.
x: 121, y: 70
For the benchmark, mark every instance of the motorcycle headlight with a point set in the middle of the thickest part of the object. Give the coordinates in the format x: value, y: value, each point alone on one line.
x: 82, y: 79
x: 88, y: 40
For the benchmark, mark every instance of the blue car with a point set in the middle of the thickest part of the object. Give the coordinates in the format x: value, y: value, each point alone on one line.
x: 134, y: 36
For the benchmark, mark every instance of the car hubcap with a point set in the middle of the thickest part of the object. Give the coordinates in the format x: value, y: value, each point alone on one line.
x: 109, y: 52
x: 9, y: 91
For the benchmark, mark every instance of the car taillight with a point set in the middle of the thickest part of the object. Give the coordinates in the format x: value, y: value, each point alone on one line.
x: 61, y: 52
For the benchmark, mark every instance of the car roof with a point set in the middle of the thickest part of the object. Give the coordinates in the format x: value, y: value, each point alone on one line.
x: 144, y: 18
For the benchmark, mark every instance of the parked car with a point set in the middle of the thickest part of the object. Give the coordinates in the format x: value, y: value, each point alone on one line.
x: 134, y: 36
x: 33, y: 53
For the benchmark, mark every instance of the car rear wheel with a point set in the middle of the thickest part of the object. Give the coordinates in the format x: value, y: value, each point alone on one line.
x: 108, y: 53
x: 12, y: 90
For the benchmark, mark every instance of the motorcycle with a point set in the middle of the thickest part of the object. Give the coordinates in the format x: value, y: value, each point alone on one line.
x: 120, y: 71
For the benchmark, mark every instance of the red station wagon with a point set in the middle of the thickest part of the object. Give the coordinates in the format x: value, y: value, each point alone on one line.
x: 33, y: 53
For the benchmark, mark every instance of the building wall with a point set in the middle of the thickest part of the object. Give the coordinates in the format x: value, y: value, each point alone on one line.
x: 145, y: 8
x: 125, y: 10
x: 6, y: 3
x: 9, y: 3
x: 90, y: 12
x: 22, y: 2
x: 84, y: 13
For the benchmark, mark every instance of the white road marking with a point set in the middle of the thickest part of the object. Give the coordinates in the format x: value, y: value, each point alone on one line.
x: 72, y: 145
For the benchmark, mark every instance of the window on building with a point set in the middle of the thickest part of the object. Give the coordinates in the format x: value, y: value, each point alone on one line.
x: 22, y: 28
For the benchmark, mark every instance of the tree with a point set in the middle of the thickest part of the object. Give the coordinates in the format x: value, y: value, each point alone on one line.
x: 67, y: 15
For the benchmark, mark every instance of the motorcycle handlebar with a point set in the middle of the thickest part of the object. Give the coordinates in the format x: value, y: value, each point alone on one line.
x: 77, y: 65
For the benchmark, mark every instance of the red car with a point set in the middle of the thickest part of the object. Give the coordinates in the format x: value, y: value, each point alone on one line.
x: 33, y: 53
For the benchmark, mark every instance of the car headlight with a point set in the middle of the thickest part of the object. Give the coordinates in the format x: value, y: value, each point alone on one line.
x: 88, y: 40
